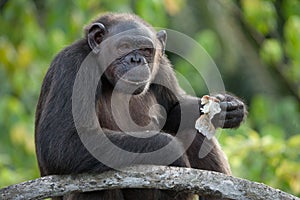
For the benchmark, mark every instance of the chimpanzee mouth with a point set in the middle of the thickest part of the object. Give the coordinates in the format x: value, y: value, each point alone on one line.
x: 134, y: 82
x: 137, y: 75
x: 131, y: 87
x: 129, y: 79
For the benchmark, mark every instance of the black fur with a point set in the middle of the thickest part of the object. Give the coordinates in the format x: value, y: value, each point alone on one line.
x: 60, y: 150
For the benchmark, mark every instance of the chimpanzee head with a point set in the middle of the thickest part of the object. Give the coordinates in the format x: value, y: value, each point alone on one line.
x: 128, y: 49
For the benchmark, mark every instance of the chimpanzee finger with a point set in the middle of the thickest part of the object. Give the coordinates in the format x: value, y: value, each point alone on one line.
x: 219, y: 119
x: 225, y: 118
x: 221, y: 97
x: 232, y: 123
x: 238, y: 113
x: 231, y: 105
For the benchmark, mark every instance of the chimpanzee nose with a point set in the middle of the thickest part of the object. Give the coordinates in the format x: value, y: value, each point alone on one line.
x: 135, y: 59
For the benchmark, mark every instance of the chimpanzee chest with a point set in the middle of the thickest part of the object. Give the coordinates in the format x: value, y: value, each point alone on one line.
x: 122, y: 112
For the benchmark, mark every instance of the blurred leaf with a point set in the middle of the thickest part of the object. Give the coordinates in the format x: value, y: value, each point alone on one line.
x: 18, y: 134
x: 289, y: 171
x: 290, y: 7
x: 294, y: 142
x: 7, y: 54
x: 273, y: 130
x: 261, y: 14
x: 146, y: 8
x: 292, y: 37
x: 24, y: 56
x: 282, y: 112
x: 210, y: 42
x: 173, y: 6
x: 260, y: 110
x: 271, y: 51
x: 293, y: 148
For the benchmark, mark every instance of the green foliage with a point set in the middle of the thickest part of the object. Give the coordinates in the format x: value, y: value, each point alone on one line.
x: 265, y: 149
x: 292, y: 48
x: 209, y: 40
x: 145, y: 9
x: 292, y: 37
x: 209, y: 48
x: 263, y: 18
x: 267, y: 146
x: 260, y: 14
x: 271, y: 52
x: 266, y: 156
x: 290, y: 8
x: 274, y: 112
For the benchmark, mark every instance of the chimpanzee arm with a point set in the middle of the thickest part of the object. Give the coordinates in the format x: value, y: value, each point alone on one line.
x: 183, y: 110
x: 68, y: 155
x: 183, y: 115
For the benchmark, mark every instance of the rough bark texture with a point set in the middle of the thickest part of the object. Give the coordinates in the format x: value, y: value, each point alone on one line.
x: 161, y: 177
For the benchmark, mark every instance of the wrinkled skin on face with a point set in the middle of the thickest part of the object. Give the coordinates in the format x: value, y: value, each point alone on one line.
x: 127, y: 52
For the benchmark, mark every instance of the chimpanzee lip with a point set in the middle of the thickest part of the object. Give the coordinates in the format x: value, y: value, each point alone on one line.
x: 136, y: 79
x: 134, y: 82
x: 131, y: 87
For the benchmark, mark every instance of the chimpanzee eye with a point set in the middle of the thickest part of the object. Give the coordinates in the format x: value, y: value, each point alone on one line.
x: 124, y: 47
x: 146, y: 51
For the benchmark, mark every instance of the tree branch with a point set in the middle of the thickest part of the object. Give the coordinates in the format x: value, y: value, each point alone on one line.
x: 160, y: 177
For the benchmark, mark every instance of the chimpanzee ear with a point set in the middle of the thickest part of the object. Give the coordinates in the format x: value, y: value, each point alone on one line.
x: 95, y: 35
x: 162, y: 37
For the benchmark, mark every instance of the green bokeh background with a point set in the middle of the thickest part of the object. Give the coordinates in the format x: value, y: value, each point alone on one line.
x: 255, y: 44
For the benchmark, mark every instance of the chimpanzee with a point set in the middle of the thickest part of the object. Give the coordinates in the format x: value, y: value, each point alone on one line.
x: 130, y: 56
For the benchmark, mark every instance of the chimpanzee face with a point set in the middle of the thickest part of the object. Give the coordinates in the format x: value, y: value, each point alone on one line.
x: 129, y: 53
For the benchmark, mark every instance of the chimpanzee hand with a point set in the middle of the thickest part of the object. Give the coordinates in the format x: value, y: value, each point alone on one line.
x: 233, y: 112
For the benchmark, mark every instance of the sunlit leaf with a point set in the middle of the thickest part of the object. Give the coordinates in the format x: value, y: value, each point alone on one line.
x: 271, y: 51
x: 7, y: 54
x: 292, y: 37
x: 261, y: 14
x: 294, y: 142
x: 209, y: 40
x: 173, y: 6
x: 145, y: 9
x: 290, y: 8
x: 24, y: 57
x: 289, y: 170
x: 18, y: 134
